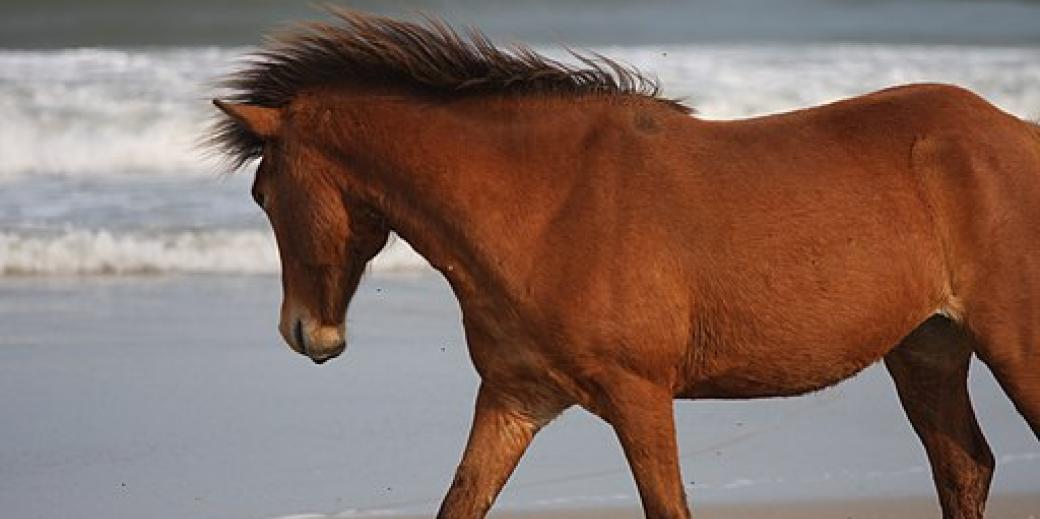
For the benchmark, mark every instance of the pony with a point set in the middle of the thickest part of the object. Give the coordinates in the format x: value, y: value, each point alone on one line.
x: 610, y: 250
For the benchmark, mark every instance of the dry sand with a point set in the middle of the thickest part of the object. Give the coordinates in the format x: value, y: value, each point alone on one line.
x: 1019, y: 506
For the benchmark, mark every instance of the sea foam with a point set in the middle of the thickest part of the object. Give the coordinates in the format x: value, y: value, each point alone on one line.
x: 103, y: 252
x: 97, y: 112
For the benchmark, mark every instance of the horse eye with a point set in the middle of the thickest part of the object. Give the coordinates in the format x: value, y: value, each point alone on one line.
x: 371, y: 214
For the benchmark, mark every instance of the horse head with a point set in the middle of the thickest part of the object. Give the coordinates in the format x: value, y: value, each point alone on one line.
x: 325, y: 235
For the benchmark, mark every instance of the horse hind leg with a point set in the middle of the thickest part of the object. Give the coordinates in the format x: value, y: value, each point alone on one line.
x: 1013, y: 355
x: 930, y: 369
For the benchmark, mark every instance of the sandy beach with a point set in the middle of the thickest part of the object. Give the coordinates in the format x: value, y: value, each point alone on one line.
x: 1000, y: 507
x: 173, y: 396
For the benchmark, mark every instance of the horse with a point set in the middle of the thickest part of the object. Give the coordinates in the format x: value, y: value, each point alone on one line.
x: 612, y: 251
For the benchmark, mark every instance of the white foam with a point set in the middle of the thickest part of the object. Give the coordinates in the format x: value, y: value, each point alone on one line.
x: 103, y: 252
x: 91, y: 112
x: 732, y: 81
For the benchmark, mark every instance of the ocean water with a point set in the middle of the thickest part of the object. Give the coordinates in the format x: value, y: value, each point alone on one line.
x: 66, y: 23
x: 100, y: 172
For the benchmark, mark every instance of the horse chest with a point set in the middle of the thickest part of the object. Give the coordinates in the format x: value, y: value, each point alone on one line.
x: 499, y: 348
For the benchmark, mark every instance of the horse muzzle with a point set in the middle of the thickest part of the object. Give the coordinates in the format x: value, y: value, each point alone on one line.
x: 320, y: 343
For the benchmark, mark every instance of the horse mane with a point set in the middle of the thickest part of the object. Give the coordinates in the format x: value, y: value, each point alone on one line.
x: 429, y: 57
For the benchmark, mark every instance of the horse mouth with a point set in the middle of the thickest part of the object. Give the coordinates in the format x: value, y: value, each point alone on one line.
x: 318, y: 350
x: 298, y: 337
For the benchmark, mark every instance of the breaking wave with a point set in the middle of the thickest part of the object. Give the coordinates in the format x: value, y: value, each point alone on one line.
x: 98, y: 146
x: 91, y: 112
x: 97, y: 112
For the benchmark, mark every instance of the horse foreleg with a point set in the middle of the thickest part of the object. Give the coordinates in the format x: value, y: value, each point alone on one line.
x: 930, y: 369
x: 642, y: 416
x: 500, y: 434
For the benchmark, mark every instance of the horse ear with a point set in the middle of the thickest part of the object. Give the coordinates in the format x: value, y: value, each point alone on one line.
x: 262, y: 121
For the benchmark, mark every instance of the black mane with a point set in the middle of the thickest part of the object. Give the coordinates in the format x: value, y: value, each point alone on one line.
x: 430, y: 57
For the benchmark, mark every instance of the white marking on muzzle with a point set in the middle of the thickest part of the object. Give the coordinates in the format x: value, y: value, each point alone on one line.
x: 321, y: 342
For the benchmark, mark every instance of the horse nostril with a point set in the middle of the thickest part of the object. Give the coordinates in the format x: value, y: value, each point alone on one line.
x: 298, y: 335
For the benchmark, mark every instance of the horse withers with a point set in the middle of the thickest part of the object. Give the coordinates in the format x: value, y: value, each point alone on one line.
x: 611, y: 251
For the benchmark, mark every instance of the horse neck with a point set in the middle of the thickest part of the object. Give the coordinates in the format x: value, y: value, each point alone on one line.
x: 470, y: 184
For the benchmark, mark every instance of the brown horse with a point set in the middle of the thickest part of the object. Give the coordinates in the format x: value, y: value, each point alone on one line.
x: 610, y: 251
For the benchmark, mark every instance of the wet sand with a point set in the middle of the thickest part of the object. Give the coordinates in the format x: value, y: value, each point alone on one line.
x: 173, y: 397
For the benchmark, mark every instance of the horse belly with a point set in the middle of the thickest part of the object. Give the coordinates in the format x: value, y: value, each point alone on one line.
x: 783, y: 346
x: 763, y: 376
